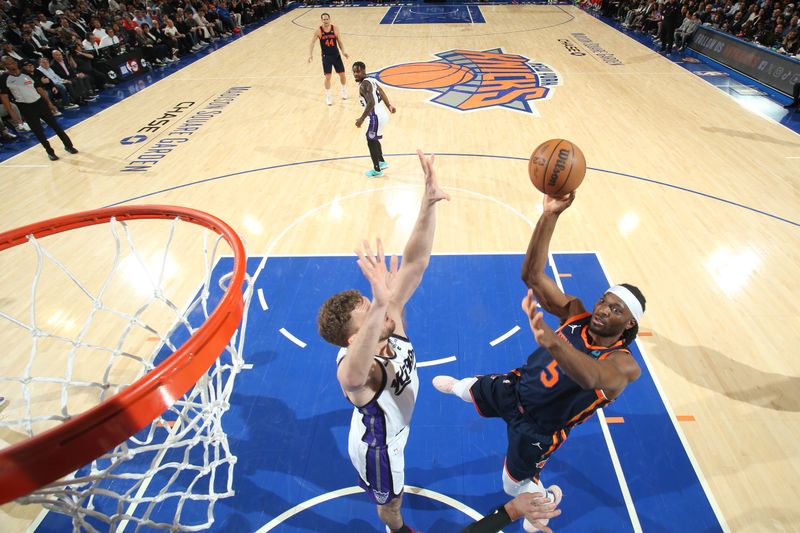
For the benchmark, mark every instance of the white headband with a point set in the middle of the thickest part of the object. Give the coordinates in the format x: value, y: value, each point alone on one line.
x: 631, y: 301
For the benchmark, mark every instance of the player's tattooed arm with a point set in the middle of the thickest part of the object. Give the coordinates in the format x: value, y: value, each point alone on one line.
x: 365, y: 90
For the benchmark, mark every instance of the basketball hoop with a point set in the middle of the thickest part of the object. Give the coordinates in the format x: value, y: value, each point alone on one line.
x: 181, y: 398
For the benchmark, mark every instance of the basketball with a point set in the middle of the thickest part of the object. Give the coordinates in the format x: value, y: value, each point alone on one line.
x: 557, y: 167
x: 428, y: 75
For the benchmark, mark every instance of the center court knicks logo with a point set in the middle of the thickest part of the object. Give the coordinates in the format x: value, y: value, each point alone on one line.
x: 468, y: 80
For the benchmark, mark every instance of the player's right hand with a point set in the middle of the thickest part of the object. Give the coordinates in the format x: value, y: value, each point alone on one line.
x: 433, y: 192
x: 557, y: 204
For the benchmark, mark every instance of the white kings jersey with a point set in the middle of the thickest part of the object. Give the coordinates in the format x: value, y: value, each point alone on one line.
x: 389, y: 412
x: 380, y: 106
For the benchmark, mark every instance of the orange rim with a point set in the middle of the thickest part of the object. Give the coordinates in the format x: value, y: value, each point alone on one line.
x: 50, y: 455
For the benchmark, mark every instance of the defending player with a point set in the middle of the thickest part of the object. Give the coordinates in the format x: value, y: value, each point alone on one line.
x: 377, y: 367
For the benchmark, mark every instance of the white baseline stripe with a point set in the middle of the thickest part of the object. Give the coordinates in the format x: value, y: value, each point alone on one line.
x: 612, y: 450
x: 504, y: 336
x: 703, y: 483
x: 37, y: 521
x: 437, y: 361
x: 292, y: 338
x: 397, y: 14
x: 262, y: 300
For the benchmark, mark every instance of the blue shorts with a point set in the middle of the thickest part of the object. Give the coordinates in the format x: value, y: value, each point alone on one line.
x: 529, y: 448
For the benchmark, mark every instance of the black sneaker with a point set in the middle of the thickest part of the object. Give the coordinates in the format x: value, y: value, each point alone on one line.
x: 52, y: 156
x: 71, y: 150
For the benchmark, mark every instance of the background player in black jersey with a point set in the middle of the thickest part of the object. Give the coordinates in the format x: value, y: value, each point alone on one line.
x: 330, y: 42
x: 576, y: 370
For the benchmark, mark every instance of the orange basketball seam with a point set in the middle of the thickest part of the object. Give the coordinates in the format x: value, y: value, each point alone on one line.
x: 551, y: 163
x: 571, y: 166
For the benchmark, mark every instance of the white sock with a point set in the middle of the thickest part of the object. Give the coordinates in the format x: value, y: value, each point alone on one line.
x: 461, y: 389
x: 514, y: 488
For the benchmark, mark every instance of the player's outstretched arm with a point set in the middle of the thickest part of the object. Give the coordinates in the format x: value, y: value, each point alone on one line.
x: 417, y: 252
x: 550, y: 297
x: 611, y: 375
x: 354, y: 371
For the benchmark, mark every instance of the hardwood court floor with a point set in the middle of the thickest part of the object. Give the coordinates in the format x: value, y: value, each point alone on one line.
x: 689, y: 196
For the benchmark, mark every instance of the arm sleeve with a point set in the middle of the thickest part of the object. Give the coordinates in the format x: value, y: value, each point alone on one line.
x: 491, y: 523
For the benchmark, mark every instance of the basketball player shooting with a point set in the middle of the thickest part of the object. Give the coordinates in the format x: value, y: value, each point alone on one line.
x: 376, y: 106
x: 577, y: 369
x: 376, y: 366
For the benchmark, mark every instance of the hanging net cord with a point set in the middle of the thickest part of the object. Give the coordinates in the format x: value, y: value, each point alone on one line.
x: 171, y: 473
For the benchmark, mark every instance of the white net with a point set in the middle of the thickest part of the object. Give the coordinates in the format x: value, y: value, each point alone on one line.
x: 84, y: 328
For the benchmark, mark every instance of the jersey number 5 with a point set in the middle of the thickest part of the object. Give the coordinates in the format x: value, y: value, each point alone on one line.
x: 549, y: 376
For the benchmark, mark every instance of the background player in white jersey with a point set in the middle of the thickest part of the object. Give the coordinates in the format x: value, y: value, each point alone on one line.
x: 376, y: 106
x: 376, y: 366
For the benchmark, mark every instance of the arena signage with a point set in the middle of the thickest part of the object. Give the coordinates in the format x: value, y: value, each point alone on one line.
x: 777, y: 71
x: 169, y: 136
x: 596, y: 50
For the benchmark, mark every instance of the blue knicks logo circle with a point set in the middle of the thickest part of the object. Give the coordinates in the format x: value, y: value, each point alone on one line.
x: 133, y: 139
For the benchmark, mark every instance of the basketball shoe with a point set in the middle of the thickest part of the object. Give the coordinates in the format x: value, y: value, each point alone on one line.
x: 372, y: 174
x: 444, y: 384
x: 383, y: 165
x: 328, y: 99
x: 554, y: 496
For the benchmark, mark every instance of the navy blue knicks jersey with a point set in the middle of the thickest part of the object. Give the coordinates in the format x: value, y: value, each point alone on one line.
x: 549, y: 396
x: 327, y: 41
